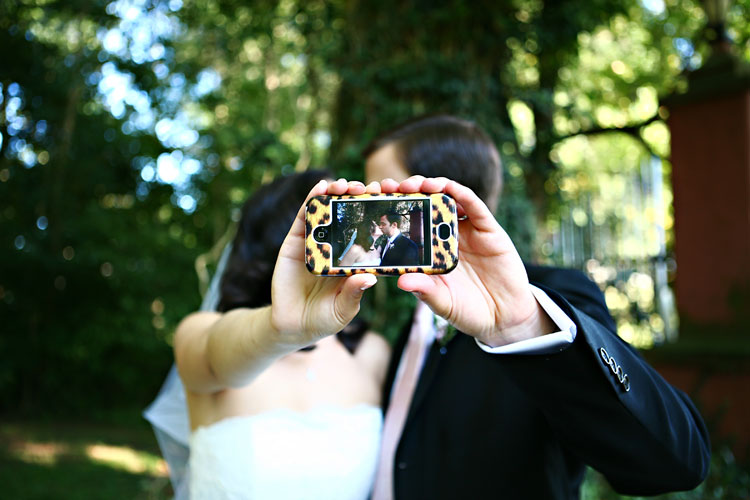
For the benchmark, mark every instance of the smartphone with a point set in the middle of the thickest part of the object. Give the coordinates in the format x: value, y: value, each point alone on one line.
x: 384, y: 234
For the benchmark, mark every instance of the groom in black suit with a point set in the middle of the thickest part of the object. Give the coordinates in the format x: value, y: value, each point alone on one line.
x: 536, y: 385
x: 398, y: 250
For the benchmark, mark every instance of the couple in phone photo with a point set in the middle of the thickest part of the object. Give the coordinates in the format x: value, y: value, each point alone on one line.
x: 381, y: 243
x: 279, y: 391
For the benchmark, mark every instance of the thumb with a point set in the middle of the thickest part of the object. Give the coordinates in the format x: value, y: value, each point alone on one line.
x: 430, y: 290
x: 346, y: 303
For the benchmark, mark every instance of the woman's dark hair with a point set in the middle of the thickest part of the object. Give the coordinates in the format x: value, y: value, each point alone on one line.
x: 266, y: 218
x: 364, y: 233
x: 447, y: 146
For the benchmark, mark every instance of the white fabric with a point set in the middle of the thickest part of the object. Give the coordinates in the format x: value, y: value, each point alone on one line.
x: 168, y: 413
x: 358, y: 256
x: 546, y: 344
x: 374, y: 261
x: 169, y: 419
x: 327, y: 453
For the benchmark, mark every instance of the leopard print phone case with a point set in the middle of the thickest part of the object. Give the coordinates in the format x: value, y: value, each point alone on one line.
x: 426, y: 240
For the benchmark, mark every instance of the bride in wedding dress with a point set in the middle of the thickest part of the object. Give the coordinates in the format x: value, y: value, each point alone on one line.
x: 363, y: 250
x: 277, y: 406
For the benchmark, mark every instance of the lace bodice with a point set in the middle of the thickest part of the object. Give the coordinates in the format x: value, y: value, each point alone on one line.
x: 326, y: 453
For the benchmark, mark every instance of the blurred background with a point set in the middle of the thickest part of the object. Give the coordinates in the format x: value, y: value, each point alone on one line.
x: 132, y: 130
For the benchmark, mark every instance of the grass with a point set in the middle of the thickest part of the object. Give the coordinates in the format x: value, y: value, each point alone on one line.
x: 75, y: 460
x: 120, y: 459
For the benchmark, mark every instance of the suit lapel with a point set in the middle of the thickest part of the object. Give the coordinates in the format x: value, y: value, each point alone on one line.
x: 389, y: 246
x: 429, y: 371
x: 431, y: 363
x: 398, y: 351
x: 427, y: 376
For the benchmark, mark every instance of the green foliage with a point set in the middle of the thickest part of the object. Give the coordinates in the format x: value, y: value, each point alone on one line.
x: 85, y: 261
x: 727, y: 480
x: 131, y: 131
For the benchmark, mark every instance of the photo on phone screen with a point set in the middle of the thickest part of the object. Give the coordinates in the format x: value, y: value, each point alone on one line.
x: 380, y: 233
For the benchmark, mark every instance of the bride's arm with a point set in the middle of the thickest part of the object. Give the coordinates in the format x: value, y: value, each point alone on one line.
x: 373, y: 354
x: 217, y: 351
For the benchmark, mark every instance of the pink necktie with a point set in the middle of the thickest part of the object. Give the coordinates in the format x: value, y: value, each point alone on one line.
x: 421, y: 331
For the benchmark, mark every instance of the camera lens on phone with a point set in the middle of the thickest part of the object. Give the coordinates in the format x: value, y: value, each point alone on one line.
x: 321, y: 234
x: 444, y: 231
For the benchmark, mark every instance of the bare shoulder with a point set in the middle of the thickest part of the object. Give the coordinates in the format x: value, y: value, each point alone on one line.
x: 190, y: 339
x: 193, y: 324
x: 373, y: 353
x: 354, y: 254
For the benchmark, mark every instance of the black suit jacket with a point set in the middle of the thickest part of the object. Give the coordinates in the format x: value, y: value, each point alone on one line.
x: 403, y: 252
x: 524, y: 426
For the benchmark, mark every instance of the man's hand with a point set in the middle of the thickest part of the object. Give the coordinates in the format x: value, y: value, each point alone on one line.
x: 305, y: 307
x: 488, y: 295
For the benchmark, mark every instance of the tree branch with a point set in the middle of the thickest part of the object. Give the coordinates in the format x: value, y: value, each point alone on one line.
x: 632, y: 130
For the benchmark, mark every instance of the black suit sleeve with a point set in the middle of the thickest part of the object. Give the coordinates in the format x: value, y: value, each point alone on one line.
x: 644, y: 435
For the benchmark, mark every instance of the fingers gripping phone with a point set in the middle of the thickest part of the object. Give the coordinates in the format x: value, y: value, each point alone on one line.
x: 385, y: 234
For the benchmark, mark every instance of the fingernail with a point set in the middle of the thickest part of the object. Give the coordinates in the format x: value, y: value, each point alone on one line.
x: 417, y: 295
x: 368, y: 284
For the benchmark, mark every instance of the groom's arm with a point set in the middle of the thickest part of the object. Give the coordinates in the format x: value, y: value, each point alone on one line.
x: 646, y: 440
x: 607, y: 405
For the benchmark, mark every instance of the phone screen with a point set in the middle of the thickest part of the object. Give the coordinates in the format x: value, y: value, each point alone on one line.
x: 381, y: 233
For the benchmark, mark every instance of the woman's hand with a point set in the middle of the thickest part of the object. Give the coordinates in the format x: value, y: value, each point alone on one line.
x: 306, y: 307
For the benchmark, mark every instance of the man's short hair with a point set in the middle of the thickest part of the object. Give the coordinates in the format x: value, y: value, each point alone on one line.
x: 392, y: 217
x: 447, y: 146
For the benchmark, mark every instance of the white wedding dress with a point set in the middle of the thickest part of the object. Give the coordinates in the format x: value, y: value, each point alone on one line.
x: 327, y: 453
